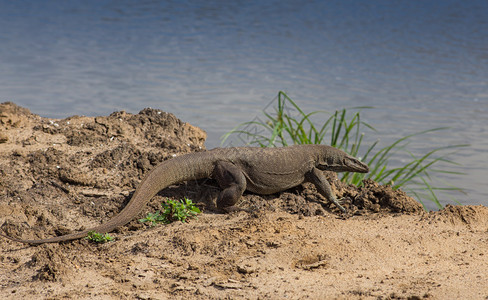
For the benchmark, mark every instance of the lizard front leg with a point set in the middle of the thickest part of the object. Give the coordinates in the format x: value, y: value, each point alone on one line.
x: 317, y: 177
x: 233, y: 183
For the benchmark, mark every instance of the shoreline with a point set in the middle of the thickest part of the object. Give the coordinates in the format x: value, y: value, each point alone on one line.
x: 63, y: 175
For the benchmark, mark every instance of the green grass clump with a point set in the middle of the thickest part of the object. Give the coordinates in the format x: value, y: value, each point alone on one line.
x: 98, y: 237
x: 289, y: 124
x: 172, y: 210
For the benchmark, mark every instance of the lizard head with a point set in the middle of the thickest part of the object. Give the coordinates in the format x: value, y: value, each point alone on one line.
x: 333, y: 159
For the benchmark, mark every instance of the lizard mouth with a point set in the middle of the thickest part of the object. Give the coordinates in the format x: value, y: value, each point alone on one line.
x: 355, y: 165
x: 348, y: 164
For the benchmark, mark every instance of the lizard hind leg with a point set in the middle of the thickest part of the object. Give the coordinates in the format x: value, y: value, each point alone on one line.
x: 233, y: 183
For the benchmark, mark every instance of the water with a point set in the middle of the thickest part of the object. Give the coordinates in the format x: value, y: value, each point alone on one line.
x: 214, y: 64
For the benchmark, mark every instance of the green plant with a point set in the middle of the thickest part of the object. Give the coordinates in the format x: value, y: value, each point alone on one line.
x: 96, y: 237
x: 289, y: 124
x: 172, y: 210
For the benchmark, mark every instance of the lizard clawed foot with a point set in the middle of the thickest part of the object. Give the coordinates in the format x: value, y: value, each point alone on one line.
x: 338, y: 203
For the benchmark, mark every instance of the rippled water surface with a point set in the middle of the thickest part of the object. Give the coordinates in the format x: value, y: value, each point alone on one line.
x: 214, y: 64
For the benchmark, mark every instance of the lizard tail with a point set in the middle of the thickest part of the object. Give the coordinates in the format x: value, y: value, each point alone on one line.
x: 182, y: 168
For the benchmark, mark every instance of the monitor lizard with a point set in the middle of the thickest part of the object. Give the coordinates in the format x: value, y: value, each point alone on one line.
x: 258, y: 170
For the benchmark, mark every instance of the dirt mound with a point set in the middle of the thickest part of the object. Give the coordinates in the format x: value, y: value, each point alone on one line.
x: 69, y: 171
x: 59, y: 176
x: 467, y: 215
x: 369, y: 198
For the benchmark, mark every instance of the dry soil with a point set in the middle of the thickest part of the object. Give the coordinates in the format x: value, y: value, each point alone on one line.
x: 60, y: 176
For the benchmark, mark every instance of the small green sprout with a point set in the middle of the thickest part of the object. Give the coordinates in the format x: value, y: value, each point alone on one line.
x: 172, y: 210
x: 98, y: 237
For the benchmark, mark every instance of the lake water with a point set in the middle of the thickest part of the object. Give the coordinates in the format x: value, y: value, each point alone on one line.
x: 215, y: 64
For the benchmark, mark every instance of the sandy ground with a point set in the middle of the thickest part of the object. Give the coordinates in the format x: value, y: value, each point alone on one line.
x: 59, y: 176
